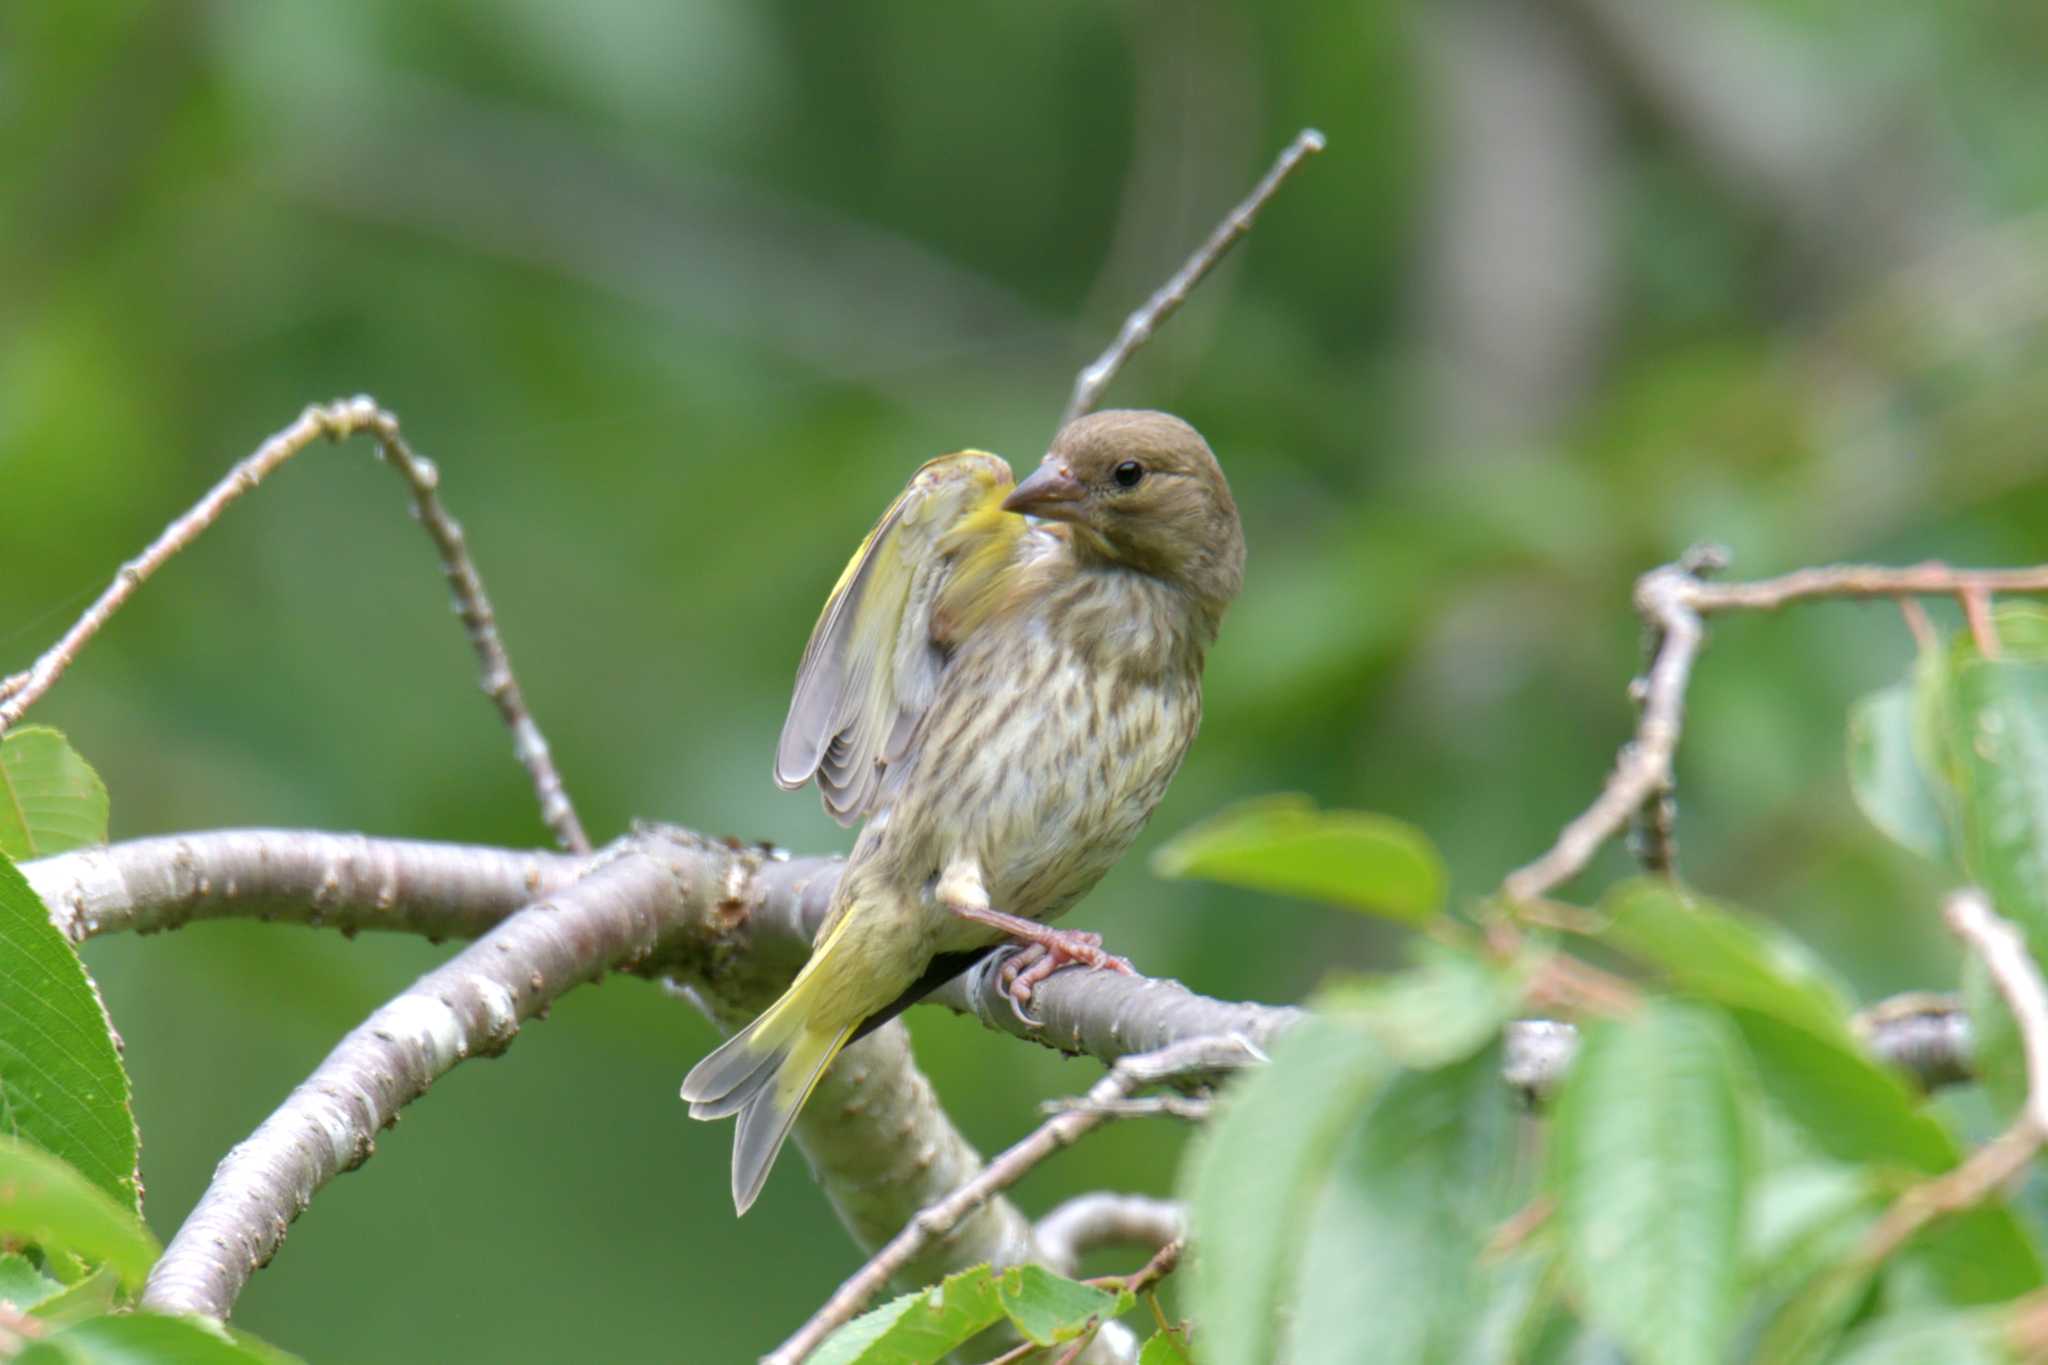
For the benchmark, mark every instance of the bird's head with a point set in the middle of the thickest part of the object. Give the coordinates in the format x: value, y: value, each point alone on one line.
x: 1143, y: 490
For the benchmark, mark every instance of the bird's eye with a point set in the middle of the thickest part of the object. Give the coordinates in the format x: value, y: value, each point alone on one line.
x: 1127, y: 474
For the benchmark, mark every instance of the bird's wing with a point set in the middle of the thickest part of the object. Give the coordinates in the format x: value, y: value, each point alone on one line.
x: 919, y: 581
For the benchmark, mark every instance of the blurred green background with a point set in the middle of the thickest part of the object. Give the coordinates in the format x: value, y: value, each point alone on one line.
x: 677, y: 295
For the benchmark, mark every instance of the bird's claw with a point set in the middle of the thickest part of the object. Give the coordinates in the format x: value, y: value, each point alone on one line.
x: 1025, y: 968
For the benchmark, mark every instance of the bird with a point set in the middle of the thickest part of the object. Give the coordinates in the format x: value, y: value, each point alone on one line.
x: 1001, y: 685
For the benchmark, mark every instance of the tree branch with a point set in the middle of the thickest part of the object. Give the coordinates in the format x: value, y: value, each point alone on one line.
x: 2004, y: 953
x: 471, y: 1006
x: 336, y: 421
x: 349, y: 882
x: 1199, y: 1055
x: 770, y: 904
x: 1089, y: 1222
x: 1138, y: 328
x: 1673, y: 600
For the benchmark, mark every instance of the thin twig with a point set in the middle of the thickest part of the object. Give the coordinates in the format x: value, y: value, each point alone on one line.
x: 1089, y: 1222
x: 1673, y: 602
x: 1656, y: 829
x: 1924, y: 638
x: 1191, y: 1108
x: 1142, y: 1281
x: 1644, y: 766
x: 1128, y: 1075
x: 1931, y: 579
x: 1977, y: 612
x: 336, y: 421
x: 1163, y: 1263
x: 1138, y: 328
x: 2004, y: 953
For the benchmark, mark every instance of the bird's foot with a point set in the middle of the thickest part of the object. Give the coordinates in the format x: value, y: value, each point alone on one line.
x: 1045, y: 953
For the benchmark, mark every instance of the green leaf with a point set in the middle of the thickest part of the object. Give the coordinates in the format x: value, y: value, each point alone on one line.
x: 919, y: 1327
x: 1802, y: 1218
x: 1718, y: 954
x: 61, y: 1082
x: 1165, y: 1348
x: 1284, y: 844
x: 92, y: 1297
x: 1996, y: 1054
x: 1650, y: 1169
x: 1885, y: 774
x: 150, y: 1339
x: 1390, y: 1263
x: 1523, y: 1307
x: 1999, y: 720
x: 45, y: 1201
x: 1251, y: 1180
x: 50, y: 798
x: 1445, y: 1008
x: 21, y: 1284
x: 1050, y: 1309
x: 1951, y: 1339
x: 1850, y: 1107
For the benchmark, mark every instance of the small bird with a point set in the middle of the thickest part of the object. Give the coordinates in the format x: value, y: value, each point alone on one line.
x: 1001, y: 685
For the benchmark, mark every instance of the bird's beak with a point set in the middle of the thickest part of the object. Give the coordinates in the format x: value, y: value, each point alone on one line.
x: 1051, y: 492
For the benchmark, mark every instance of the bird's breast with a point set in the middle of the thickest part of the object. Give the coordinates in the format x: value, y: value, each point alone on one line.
x: 1054, y: 735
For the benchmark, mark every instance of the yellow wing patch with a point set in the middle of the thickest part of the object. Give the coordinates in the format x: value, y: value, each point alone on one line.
x: 926, y: 575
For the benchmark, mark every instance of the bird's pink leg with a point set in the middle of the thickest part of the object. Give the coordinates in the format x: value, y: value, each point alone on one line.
x: 961, y: 891
x: 1046, y: 951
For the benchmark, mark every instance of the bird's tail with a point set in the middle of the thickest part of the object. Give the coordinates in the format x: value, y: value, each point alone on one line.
x: 764, y: 1073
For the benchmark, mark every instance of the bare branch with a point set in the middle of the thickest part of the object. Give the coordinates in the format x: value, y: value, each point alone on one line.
x: 770, y: 906
x: 471, y: 1006
x: 936, y: 1221
x: 1931, y: 579
x: 1090, y: 1222
x: 1109, y: 1015
x: 1673, y: 600
x: 680, y: 902
x: 336, y: 421
x: 1138, y: 328
x: 349, y: 882
x: 1644, y: 766
x: 2004, y: 953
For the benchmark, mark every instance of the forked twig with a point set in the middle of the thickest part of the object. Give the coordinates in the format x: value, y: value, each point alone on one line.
x: 2004, y: 953
x: 1128, y: 1075
x: 336, y: 421
x: 1140, y: 325
x: 1674, y: 601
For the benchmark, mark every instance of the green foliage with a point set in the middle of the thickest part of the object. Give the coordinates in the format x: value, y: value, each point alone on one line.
x: 1164, y: 1348
x: 1449, y: 1006
x: 1707, y: 952
x: 691, y: 288
x: 62, y: 1086
x: 1252, y: 1179
x: 150, y: 1339
x: 1398, y: 1220
x: 928, y: 1324
x: 1283, y: 844
x: 50, y: 798
x: 1969, y: 742
x: 48, y: 1204
x: 1332, y: 1180
x: 1888, y: 775
x: 1650, y: 1168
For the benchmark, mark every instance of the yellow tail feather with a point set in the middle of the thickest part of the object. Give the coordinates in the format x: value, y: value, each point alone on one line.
x: 764, y: 1073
